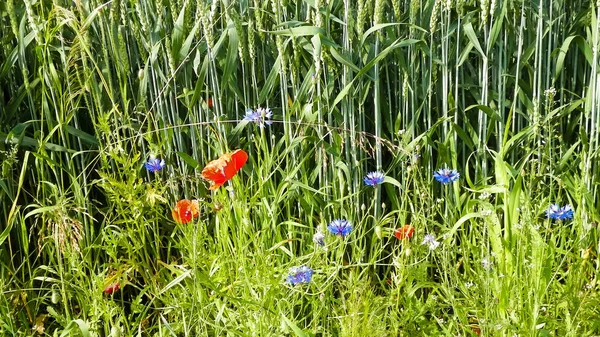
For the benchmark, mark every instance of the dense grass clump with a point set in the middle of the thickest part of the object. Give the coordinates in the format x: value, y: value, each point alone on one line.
x: 299, y: 168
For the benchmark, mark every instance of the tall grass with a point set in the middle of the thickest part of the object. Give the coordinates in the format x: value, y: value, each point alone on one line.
x: 506, y: 92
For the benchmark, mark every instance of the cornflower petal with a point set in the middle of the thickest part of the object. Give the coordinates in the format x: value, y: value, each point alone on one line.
x: 374, y: 178
x: 298, y: 275
x: 446, y: 176
x: 319, y: 238
x: 430, y: 241
x: 154, y: 164
x: 556, y: 212
x: 341, y: 227
x: 260, y: 116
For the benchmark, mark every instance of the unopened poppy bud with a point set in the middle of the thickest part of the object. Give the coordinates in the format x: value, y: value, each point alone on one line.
x: 115, y: 331
x: 407, y: 252
x: 378, y: 232
x: 383, y: 205
x: 111, y: 288
x: 363, y: 207
x: 141, y: 74
x: 55, y: 296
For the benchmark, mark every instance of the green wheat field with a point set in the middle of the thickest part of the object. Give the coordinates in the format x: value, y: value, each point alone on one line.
x: 299, y: 168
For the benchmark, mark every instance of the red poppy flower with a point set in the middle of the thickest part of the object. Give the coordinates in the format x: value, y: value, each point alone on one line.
x: 111, y: 288
x: 209, y: 102
x: 221, y: 170
x: 185, y: 210
x: 404, y: 232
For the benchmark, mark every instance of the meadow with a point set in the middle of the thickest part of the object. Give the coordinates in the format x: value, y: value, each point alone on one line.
x: 299, y: 168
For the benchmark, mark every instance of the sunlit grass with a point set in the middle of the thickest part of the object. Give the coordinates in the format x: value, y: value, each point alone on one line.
x: 502, y: 92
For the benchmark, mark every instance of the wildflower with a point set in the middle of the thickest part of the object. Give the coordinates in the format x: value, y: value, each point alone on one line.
x: 486, y: 263
x: 185, y: 211
x: 430, y: 240
x: 340, y: 227
x: 559, y: 213
x: 221, y: 170
x: 374, y: 178
x: 111, y: 288
x: 319, y: 238
x: 404, y: 232
x: 209, y: 102
x: 446, y: 176
x: 469, y: 284
x: 154, y: 164
x: 260, y: 116
x: 299, y: 275
x: 415, y: 158
x: 486, y: 212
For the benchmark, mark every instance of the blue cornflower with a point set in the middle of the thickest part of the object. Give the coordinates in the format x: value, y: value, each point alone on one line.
x: 559, y: 213
x: 374, y: 178
x: 319, y: 238
x: 299, y: 275
x: 260, y: 116
x: 430, y: 241
x: 154, y: 164
x: 340, y: 227
x: 446, y: 176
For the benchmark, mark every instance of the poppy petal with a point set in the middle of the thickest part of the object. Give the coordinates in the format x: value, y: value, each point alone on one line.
x: 223, y: 169
x: 239, y: 158
x: 185, y: 210
x: 404, y: 232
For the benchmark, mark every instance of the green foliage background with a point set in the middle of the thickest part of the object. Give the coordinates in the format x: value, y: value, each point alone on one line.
x: 504, y: 91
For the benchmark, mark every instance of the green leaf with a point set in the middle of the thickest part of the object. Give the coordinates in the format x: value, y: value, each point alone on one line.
x: 232, y: 54
x: 294, y: 327
x: 271, y: 81
x: 84, y: 136
x: 384, y: 25
x: 460, y: 221
x: 191, y: 162
x: 297, y: 31
x: 468, y: 28
x: 177, y: 35
x: 83, y: 327
x: 392, y: 181
x: 396, y: 44
x: 343, y: 60
x: 175, y: 281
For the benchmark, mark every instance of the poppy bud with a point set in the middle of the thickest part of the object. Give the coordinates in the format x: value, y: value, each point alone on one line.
x: 378, y: 232
x: 111, y: 288
x: 115, y: 331
x: 55, y: 296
